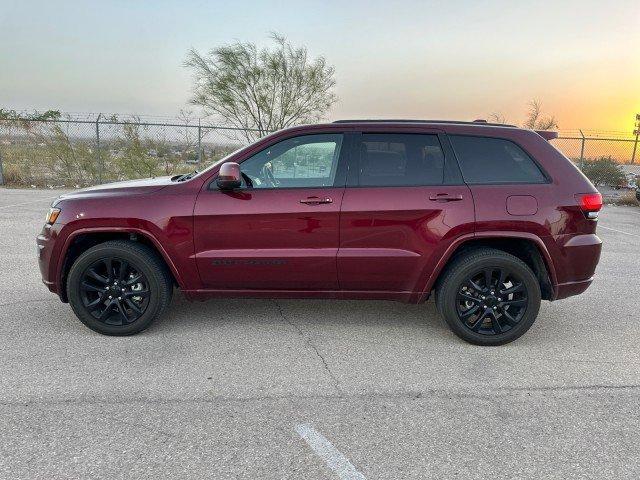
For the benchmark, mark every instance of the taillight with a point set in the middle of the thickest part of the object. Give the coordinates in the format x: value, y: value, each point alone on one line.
x: 590, y: 203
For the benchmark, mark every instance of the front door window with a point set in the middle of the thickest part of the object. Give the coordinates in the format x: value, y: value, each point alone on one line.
x: 308, y: 161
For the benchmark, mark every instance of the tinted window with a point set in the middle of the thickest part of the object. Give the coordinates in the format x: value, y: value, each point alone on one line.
x: 400, y: 160
x: 492, y: 160
x: 306, y: 161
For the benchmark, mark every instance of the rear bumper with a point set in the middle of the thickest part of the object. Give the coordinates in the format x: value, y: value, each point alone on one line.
x: 564, y: 290
x: 575, y: 263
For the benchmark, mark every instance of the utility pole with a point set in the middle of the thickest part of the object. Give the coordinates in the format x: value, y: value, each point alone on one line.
x: 98, y: 155
x: 199, y: 143
x: 636, y: 132
x: 582, y: 150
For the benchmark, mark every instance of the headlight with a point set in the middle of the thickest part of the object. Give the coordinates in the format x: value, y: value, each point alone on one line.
x: 52, y: 215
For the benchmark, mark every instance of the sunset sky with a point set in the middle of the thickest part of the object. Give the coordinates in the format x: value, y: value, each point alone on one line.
x: 406, y: 59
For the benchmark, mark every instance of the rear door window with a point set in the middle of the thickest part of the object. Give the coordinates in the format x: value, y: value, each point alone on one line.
x: 400, y: 160
x: 486, y: 160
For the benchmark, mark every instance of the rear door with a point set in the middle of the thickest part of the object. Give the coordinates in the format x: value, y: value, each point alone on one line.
x: 404, y: 204
x: 280, y: 230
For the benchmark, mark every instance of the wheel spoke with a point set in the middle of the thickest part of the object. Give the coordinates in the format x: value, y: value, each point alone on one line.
x: 96, y: 302
x: 514, y: 303
x: 109, y: 264
x: 121, y: 311
x: 511, y: 321
x: 497, y: 328
x: 467, y: 313
x: 96, y: 276
x: 488, y: 273
x: 124, y: 266
x: 139, y: 293
x: 92, y: 288
x: 134, y: 279
x: 106, y: 312
x: 519, y: 287
x: 132, y: 305
x: 478, y: 324
x: 475, y: 286
x: 470, y: 298
x: 503, y: 277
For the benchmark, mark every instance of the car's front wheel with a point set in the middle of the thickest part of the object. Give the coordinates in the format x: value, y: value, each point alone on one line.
x: 488, y: 297
x: 118, y: 287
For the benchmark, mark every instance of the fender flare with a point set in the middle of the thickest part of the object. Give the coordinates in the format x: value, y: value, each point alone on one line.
x: 145, y: 233
x: 444, y: 260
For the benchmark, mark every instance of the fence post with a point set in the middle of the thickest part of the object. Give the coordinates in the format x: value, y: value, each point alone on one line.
x: 199, y: 143
x: 635, y: 146
x: 1, y: 173
x: 582, y: 151
x: 98, y: 155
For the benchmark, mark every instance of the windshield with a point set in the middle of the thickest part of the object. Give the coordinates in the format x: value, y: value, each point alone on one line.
x: 222, y: 160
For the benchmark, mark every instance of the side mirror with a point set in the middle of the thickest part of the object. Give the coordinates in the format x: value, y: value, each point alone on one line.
x: 229, y: 176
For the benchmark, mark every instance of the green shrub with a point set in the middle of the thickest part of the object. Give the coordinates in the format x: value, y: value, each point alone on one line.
x: 604, y: 171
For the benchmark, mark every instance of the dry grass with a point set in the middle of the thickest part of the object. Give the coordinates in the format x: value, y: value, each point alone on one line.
x: 627, y: 198
x: 12, y: 175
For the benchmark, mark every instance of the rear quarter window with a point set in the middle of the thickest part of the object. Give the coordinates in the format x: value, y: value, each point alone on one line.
x: 486, y: 160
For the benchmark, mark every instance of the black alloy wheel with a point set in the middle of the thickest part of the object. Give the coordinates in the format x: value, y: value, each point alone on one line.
x: 491, y: 301
x: 488, y: 296
x: 114, y: 291
x: 119, y: 287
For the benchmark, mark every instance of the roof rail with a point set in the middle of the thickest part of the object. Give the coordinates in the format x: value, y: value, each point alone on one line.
x: 404, y: 120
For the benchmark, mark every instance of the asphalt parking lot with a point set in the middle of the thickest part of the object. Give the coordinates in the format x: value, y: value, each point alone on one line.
x: 317, y: 389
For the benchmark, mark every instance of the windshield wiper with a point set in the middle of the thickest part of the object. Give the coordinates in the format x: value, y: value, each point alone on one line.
x: 186, y: 176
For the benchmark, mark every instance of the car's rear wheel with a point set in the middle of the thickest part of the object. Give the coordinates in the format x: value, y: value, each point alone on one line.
x: 118, y: 287
x: 488, y: 297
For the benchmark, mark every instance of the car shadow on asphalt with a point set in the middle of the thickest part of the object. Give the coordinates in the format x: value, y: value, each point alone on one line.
x: 302, y: 312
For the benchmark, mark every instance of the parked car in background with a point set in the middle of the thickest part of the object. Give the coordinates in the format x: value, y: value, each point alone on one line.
x: 490, y: 218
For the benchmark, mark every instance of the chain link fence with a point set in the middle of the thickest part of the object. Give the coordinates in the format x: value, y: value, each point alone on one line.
x: 71, y: 153
x: 608, y: 159
x: 76, y: 152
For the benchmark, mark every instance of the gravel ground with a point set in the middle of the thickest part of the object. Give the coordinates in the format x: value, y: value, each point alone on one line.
x: 227, y: 388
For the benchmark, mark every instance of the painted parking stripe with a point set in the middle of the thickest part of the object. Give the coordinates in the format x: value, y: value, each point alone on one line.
x: 335, y: 460
x: 619, y: 231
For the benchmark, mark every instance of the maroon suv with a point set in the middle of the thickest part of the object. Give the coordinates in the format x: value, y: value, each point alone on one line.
x: 490, y: 218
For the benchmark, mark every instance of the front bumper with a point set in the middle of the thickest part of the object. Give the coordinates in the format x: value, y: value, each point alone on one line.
x: 47, y: 259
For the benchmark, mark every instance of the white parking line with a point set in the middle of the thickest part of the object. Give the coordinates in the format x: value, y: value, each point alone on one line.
x: 619, y: 231
x: 335, y: 460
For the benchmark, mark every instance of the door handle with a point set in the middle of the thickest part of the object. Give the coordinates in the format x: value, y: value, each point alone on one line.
x: 445, y: 197
x: 316, y: 200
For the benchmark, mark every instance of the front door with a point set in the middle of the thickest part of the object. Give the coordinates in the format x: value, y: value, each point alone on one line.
x: 404, y: 204
x: 280, y: 230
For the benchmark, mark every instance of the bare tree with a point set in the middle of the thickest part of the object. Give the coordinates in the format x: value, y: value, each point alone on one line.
x: 497, y: 117
x: 261, y: 89
x: 535, y: 120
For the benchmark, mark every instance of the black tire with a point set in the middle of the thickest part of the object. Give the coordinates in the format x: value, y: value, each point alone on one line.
x: 477, y: 307
x: 150, y: 296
